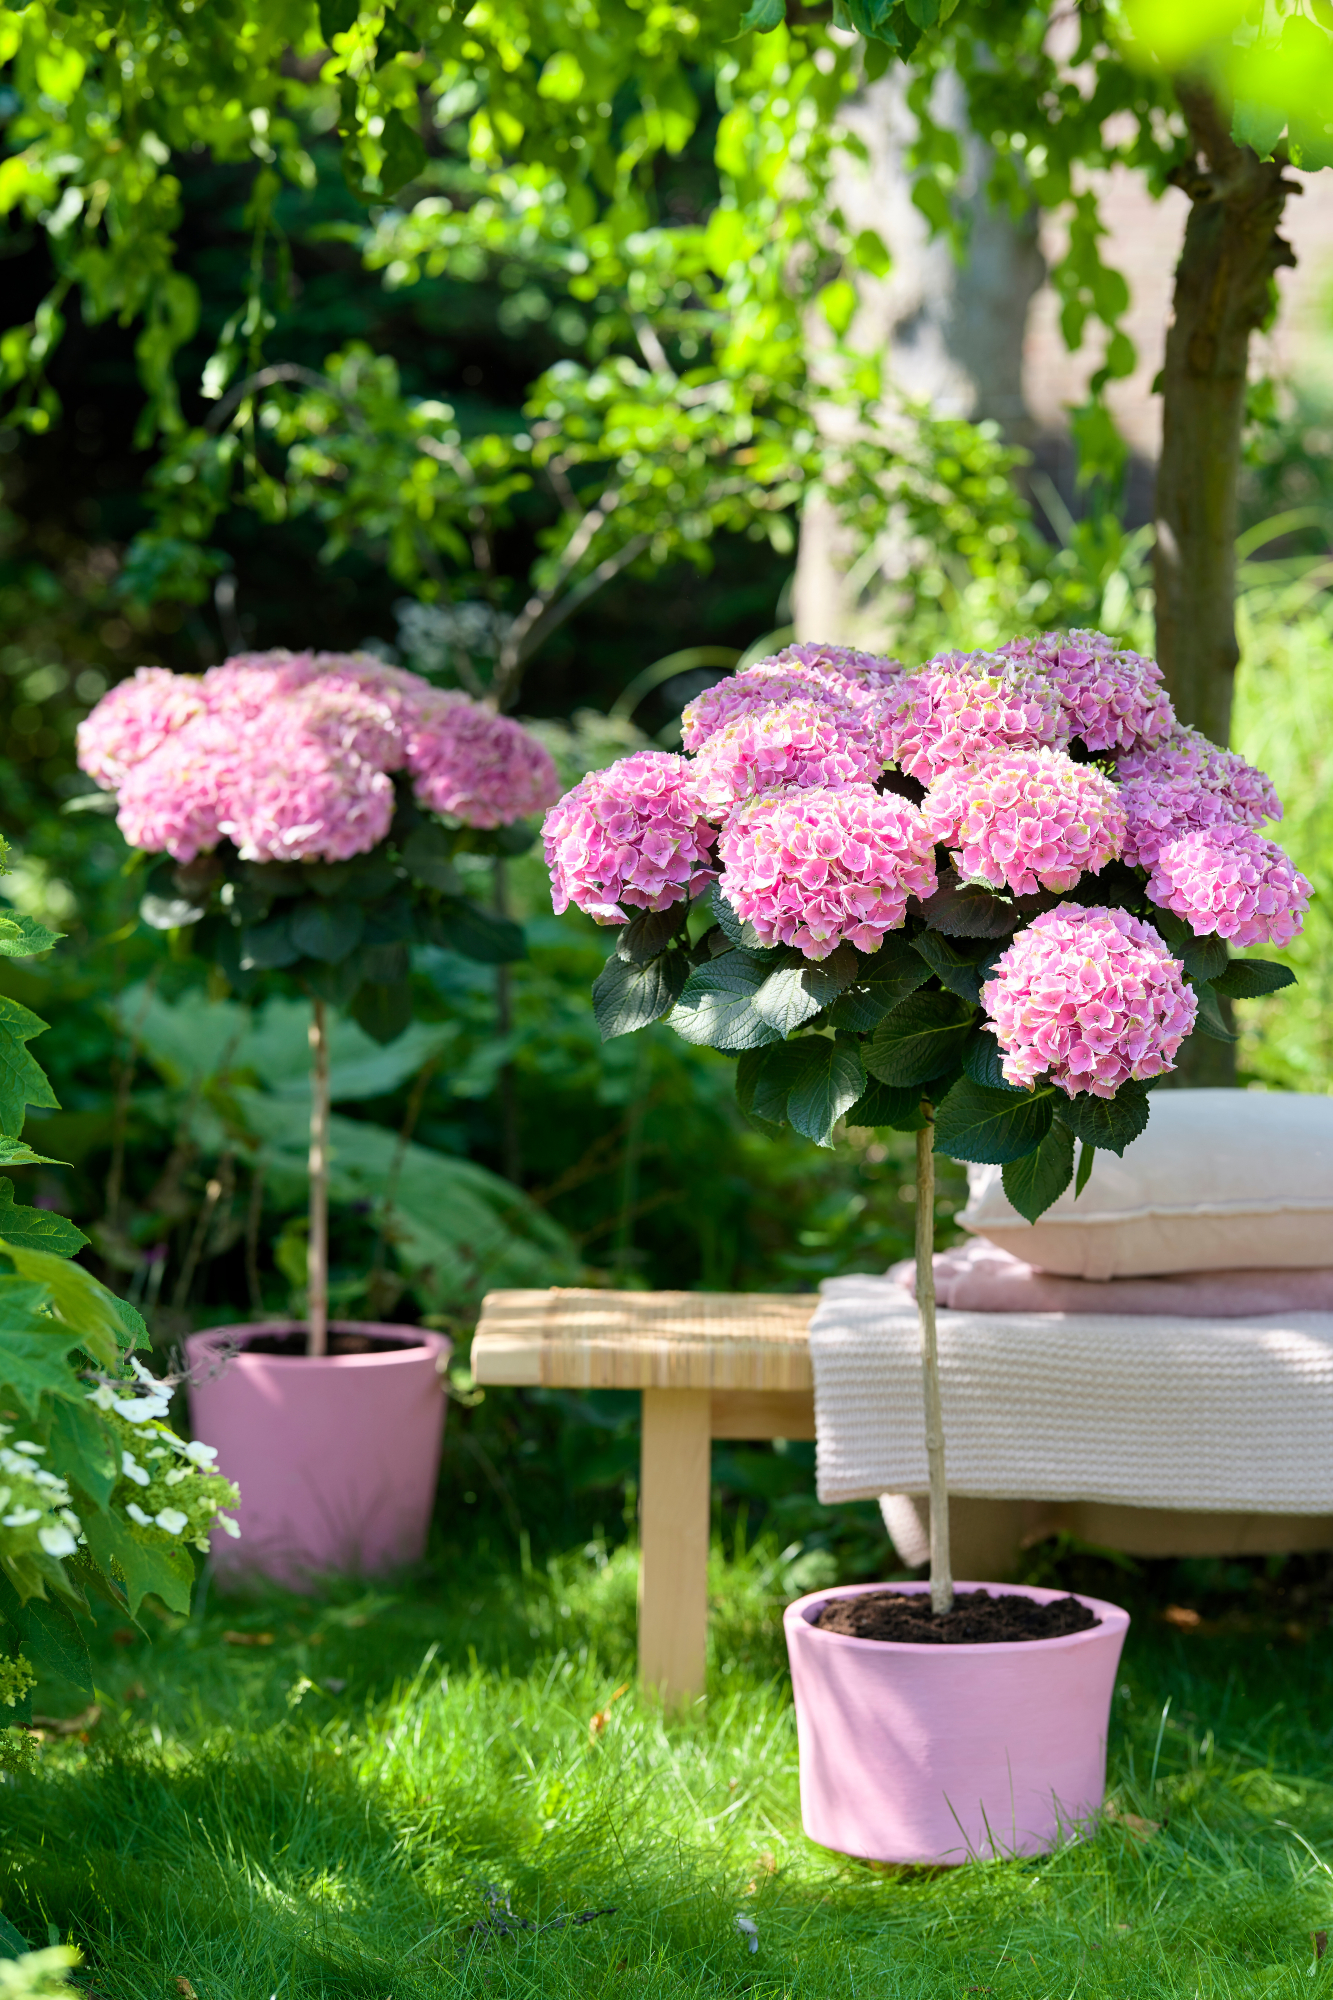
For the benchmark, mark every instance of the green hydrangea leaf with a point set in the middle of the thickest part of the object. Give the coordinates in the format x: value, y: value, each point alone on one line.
x: 993, y: 1127
x: 1041, y: 1176
x: 1112, y: 1123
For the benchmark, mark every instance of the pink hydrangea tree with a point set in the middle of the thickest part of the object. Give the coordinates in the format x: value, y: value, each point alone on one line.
x: 309, y: 810
x: 985, y: 901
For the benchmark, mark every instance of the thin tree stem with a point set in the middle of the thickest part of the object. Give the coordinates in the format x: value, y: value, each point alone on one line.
x: 941, y: 1568
x: 317, y: 1263
x: 253, y: 1216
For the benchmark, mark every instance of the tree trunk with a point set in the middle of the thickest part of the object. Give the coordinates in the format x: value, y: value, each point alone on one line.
x: 941, y: 1566
x: 317, y: 1253
x: 952, y: 329
x: 1223, y: 293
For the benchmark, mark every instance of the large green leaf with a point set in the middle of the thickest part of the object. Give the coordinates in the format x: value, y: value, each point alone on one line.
x: 83, y: 1450
x: 55, y: 1645
x: 23, y: 935
x: 37, y: 1228
x: 765, y: 1077
x: 647, y: 936
x: 1210, y: 1019
x: 921, y: 1039
x: 85, y: 1306
x: 982, y: 1059
x: 626, y: 996
x: 736, y: 929
x: 268, y: 946
x: 18, y: 1153
x: 22, y: 1082
x: 327, y: 930
x: 960, y: 965
x: 716, y: 1008
x: 887, y: 977
x: 383, y: 1008
x: 795, y: 993
x: 1041, y: 1177
x: 1251, y: 978
x: 881, y: 1104
x: 428, y: 856
x: 145, y: 1567
x: 968, y: 909
x: 993, y: 1126
x: 1111, y: 1123
x: 34, y: 1352
x: 1202, y: 957
x: 831, y: 1085
x: 475, y: 933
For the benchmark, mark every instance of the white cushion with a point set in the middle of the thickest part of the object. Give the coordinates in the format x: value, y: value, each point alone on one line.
x: 1222, y: 1180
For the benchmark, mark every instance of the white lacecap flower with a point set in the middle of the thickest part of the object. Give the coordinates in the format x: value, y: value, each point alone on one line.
x: 201, y: 1454
x: 57, y: 1541
x: 132, y: 1469
x: 228, y: 1525
x: 22, y: 1517
x: 749, y: 1929
x: 175, y: 1476
x: 173, y: 1520
x: 136, y: 1513
x: 33, y: 1450
x: 139, y: 1409
x: 103, y: 1395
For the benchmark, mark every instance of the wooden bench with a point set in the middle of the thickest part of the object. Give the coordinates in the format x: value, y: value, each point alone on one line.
x: 737, y: 1365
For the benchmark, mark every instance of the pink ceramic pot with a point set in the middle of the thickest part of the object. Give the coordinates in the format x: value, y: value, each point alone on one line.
x: 950, y: 1753
x: 336, y: 1457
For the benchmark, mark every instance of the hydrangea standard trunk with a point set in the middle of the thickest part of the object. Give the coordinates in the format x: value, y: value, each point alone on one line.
x: 317, y: 1254
x: 941, y: 1564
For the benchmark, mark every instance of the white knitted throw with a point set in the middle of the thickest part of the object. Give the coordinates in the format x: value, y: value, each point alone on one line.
x: 1213, y: 1416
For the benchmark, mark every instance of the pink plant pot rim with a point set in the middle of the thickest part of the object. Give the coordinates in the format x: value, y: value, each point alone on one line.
x: 1112, y: 1617
x: 215, y: 1341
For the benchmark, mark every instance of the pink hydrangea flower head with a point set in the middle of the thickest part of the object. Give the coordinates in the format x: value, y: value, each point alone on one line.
x: 1091, y: 996
x: 130, y: 722
x: 1230, y: 880
x: 482, y: 768
x: 861, y: 672
x: 962, y: 705
x: 813, y: 867
x: 1112, y: 697
x: 1248, y: 795
x: 633, y: 834
x: 759, y: 687
x: 174, y: 800
x: 244, y: 688
x: 289, y: 756
x: 302, y: 801
x: 1026, y: 819
x: 1161, y: 810
x: 818, y: 739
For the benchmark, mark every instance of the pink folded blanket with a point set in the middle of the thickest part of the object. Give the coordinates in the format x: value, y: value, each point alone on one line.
x: 978, y: 1277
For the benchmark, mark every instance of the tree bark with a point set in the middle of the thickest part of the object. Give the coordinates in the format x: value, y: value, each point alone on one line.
x: 941, y: 1566
x: 317, y: 1254
x: 1223, y: 294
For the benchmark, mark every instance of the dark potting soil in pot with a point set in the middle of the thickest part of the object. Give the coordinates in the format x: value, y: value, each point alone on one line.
x: 291, y: 1346
x: 977, y: 1618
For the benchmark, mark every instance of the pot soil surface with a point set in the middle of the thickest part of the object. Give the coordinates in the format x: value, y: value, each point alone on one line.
x: 977, y: 1619
x: 292, y: 1346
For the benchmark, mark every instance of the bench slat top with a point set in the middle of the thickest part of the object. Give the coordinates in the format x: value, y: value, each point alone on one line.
x: 580, y: 1338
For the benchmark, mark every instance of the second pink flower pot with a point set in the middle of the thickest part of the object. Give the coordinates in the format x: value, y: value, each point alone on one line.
x: 336, y: 1457
x: 946, y: 1754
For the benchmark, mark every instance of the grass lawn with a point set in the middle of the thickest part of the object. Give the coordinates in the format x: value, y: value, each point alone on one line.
x: 363, y: 1795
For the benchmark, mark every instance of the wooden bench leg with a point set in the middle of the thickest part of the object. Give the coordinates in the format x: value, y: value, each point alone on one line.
x: 673, y: 1537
